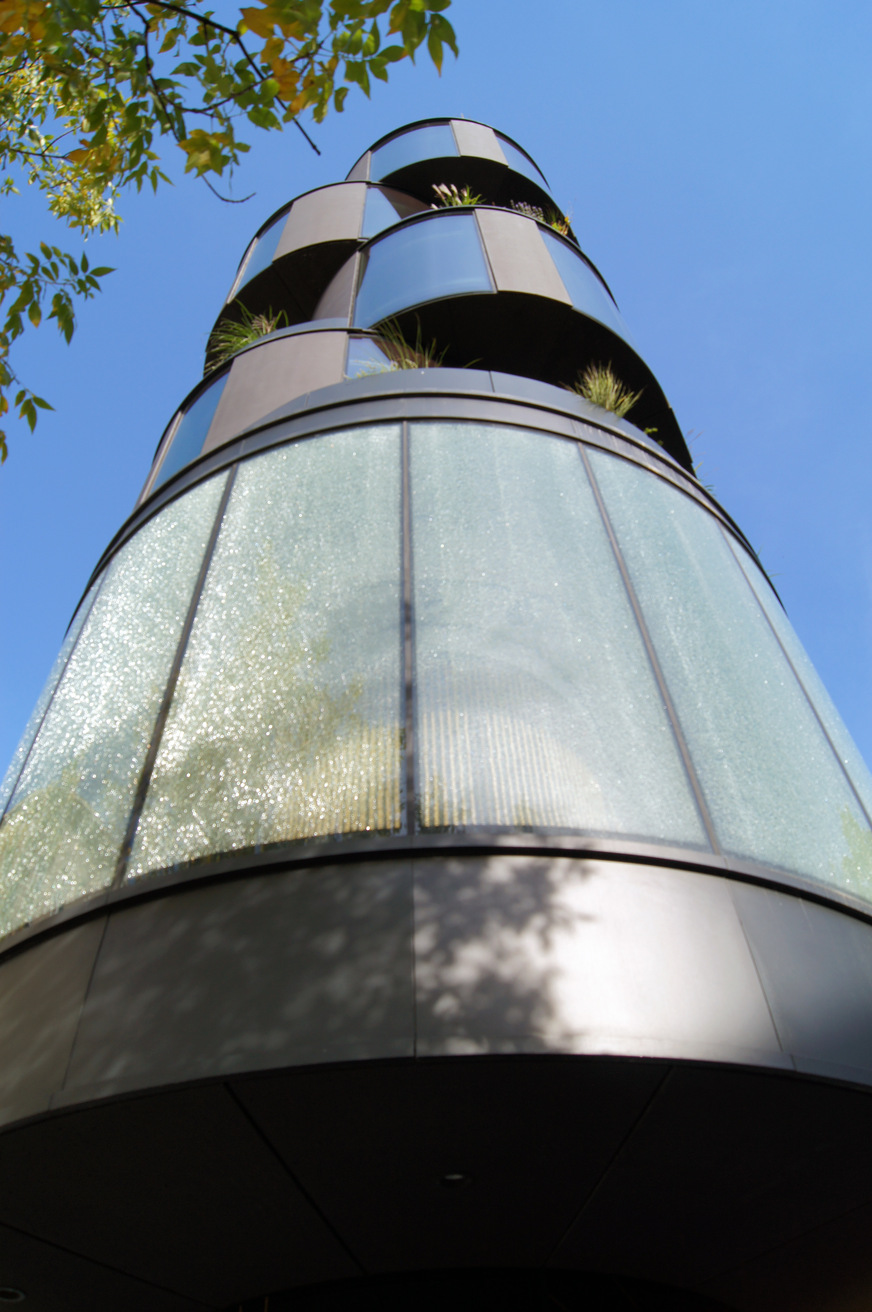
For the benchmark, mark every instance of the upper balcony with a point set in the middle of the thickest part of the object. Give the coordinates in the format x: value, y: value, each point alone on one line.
x: 457, y: 152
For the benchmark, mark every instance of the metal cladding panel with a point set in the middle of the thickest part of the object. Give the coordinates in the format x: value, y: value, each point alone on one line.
x: 277, y: 970
x: 724, y: 1167
x: 42, y: 991
x: 179, y: 1190
x: 531, y: 1139
x: 338, y: 299
x: 57, y: 1281
x: 518, y: 256
x: 330, y: 214
x: 477, y: 139
x: 527, y: 954
x: 827, y: 1271
x: 269, y: 375
x: 360, y: 172
x: 816, y: 966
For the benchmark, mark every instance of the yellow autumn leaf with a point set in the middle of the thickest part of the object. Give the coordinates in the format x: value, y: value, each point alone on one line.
x: 286, y: 76
x: 13, y: 15
x: 259, y: 21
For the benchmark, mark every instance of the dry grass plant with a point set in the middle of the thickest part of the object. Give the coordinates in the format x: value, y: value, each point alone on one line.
x: 231, y: 337
x: 599, y: 385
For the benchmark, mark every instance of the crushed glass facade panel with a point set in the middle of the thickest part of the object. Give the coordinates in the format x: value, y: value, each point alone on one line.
x: 774, y: 787
x: 286, y: 721
x: 585, y: 650
x: 61, y: 836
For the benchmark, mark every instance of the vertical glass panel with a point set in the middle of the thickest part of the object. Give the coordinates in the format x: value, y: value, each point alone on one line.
x: 583, y: 286
x: 366, y: 357
x: 437, y: 257
x: 260, y: 256
x: 188, y: 439
x: 435, y: 142
x: 287, y: 721
x: 385, y: 207
x: 11, y: 777
x: 521, y: 163
x: 536, y: 702
x: 62, y: 834
x: 774, y: 788
x: 833, y: 723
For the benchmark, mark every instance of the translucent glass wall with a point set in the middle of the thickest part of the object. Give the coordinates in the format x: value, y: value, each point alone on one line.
x: 432, y: 627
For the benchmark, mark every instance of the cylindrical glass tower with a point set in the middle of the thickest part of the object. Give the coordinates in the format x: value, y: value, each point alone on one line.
x: 433, y: 861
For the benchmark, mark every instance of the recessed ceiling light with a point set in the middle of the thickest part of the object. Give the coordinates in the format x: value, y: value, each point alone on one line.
x: 455, y: 1179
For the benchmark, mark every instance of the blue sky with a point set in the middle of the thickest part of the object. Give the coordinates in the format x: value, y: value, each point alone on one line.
x: 715, y: 161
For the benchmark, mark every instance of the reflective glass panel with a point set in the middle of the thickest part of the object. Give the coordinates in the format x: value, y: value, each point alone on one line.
x: 517, y: 160
x: 69, y: 813
x: 434, y: 142
x: 385, y: 207
x: 437, y: 257
x: 11, y: 777
x: 536, y: 703
x: 187, y: 441
x: 286, y: 721
x: 366, y: 357
x: 260, y: 256
x: 774, y: 787
x: 585, y: 289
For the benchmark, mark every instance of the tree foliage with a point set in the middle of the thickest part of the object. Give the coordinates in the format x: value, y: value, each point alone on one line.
x: 88, y: 88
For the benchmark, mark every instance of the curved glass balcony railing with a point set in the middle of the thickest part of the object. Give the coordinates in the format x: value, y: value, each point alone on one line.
x: 425, y: 260
x: 425, y: 142
x: 260, y: 253
x: 520, y: 161
x: 589, y: 653
x: 443, y: 254
x: 384, y: 207
x: 187, y: 432
x: 431, y: 141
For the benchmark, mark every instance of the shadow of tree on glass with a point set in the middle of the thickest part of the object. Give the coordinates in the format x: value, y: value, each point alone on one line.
x: 269, y: 746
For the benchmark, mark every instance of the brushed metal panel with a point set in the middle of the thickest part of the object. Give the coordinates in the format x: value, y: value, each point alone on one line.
x: 265, y: 971
x: 518, y: 256
x: 551, y: 954
x: 267, y: 376
x: 360, y: 172
x: 476, y: 139
x: 816, y: 966
x: 329, y: 214
x: 42, y: 990
x: 337, y: 301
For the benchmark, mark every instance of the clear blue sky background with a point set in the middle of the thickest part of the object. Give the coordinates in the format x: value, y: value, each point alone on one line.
x: 715, y: 160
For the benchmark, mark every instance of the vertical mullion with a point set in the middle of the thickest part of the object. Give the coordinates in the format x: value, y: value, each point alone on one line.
x: 172, y: 680
x: 684, y: 750
x: 410, y: 801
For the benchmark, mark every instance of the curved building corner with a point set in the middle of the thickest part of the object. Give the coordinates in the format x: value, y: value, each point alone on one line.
x: 434, y: 873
